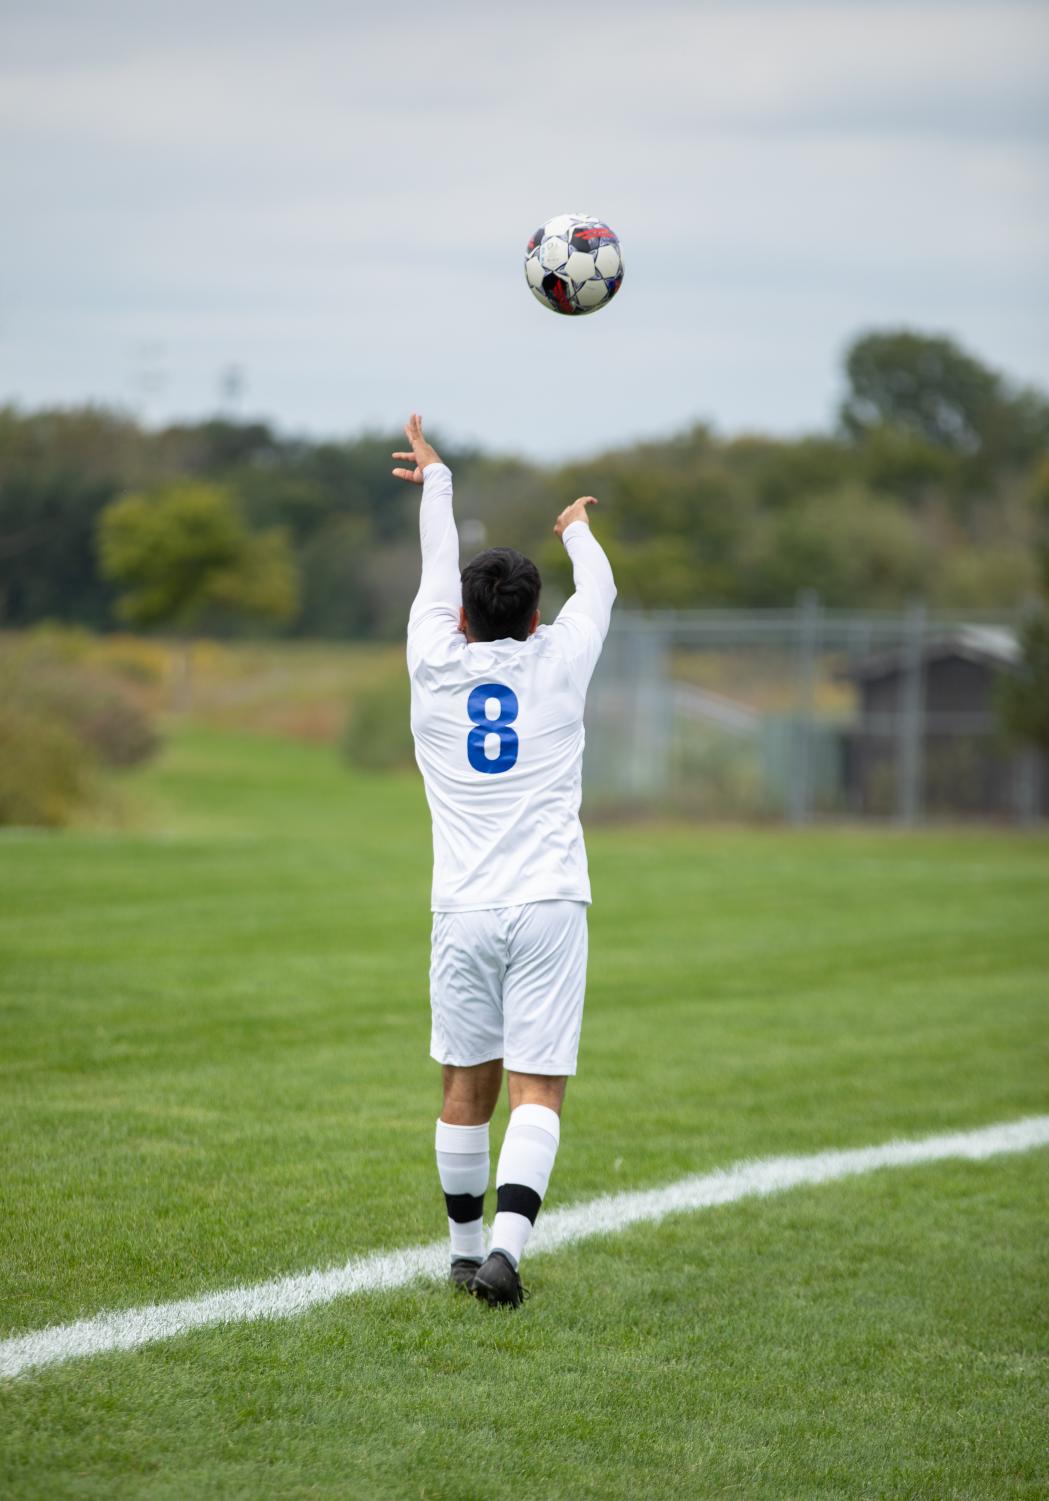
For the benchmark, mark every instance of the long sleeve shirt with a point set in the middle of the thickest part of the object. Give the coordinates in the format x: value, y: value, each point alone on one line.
x: 498, y: 726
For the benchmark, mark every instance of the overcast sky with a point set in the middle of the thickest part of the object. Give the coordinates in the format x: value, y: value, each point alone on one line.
x: 337, y: 199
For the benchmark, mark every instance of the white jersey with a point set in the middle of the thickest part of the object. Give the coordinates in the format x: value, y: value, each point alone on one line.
x: 498, y: 726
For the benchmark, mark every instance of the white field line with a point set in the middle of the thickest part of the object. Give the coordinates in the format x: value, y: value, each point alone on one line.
x: 285, y: 1297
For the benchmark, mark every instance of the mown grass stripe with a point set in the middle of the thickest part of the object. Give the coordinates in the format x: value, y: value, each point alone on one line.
x: 286, y: 1297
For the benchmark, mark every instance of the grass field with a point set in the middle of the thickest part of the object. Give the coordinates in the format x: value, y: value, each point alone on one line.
x: 214, y: 1070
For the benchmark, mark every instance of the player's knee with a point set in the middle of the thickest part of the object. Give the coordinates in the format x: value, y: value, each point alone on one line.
x: 470, y: 1094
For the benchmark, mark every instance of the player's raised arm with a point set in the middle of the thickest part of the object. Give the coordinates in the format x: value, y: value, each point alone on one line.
x: 435, y: 609
x: 595, y: 588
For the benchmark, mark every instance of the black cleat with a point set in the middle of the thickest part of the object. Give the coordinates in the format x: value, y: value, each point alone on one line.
x: 497, y: 1284
x: 463, y: 1271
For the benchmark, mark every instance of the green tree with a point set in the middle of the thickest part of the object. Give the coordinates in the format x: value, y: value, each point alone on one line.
x: 1025, y: 695
x: 931, y: 387
x: 183, y: 556
x: 185, y: 552
x: 926, y: 486
x: 57, y: 472
x: 847, y: 545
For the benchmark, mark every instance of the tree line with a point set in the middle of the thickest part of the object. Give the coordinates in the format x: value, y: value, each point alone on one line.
x: 933, y: 483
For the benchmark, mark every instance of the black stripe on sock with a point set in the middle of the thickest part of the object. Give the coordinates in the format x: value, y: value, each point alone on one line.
x: 465, y: 1208
x: 514, y: 1198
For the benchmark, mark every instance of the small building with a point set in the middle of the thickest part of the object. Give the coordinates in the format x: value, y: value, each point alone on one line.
x: 928, y: 739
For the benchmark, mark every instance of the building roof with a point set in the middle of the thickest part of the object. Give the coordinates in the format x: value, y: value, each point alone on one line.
x: 990, y: 645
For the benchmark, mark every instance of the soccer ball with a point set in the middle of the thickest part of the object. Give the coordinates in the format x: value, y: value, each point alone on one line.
x: 574, y: 264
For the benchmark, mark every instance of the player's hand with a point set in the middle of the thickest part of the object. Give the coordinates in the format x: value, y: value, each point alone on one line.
x: 422, y: 453
x: 575, y: 512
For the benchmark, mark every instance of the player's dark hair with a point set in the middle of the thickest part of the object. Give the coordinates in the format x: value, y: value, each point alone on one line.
x: 500, y: 594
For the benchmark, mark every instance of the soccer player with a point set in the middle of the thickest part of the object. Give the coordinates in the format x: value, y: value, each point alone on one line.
x: 497, y: 716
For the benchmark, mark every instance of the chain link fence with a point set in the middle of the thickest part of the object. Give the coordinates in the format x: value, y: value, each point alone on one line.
x: 808, y: 713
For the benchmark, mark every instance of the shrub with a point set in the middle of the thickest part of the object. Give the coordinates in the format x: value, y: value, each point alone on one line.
x: 62, y: 718
x: 142, y: 663
x: 95, y: 706
x: 100, y: 711
x: 44, y: 770
x: 378, y: 734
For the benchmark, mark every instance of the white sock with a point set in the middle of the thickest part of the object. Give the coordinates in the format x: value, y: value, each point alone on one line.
x: 525, y: 1164
x: 462, y: 1162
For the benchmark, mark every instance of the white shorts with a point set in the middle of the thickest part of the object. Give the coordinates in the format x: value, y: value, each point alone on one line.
x: 508, y: 982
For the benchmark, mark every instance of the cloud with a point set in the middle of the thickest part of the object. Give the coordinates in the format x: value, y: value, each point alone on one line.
x: 317, y: 192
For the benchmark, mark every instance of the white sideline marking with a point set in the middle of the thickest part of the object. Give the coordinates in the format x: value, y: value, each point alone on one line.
x: 285, y: 1297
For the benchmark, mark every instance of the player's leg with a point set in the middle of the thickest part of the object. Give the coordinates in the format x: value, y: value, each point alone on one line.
x: 471, y: 1094
x: 542, y: 1006
x: 461, y: 1143
x: 466, y: 974
x: 526, y: 1161
x: 536, y: 1089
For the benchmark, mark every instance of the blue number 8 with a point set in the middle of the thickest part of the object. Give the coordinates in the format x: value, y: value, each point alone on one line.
x: 483, y: 727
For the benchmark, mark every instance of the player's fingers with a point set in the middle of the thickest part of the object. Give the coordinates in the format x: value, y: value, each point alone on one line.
x: 587, y: 500
x: 402, y: 456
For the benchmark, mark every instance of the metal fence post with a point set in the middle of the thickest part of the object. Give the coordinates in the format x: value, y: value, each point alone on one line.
x: 807, y: 618
x: 910, y: 721
x: 1025, y: 786
x: 654, y: 714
